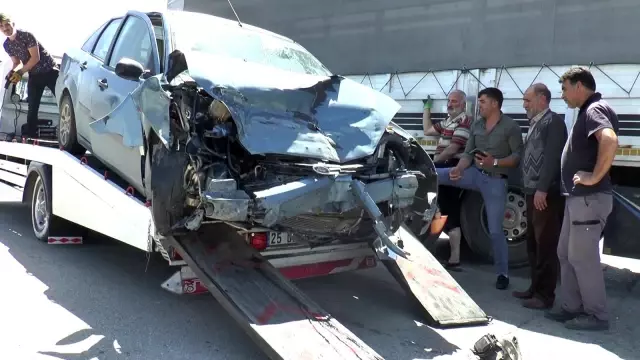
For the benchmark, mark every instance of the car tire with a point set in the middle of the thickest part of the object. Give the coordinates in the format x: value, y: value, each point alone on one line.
x: 167, y: 187
x: 474, y: 228
x: 43, y: 222
x: 67, y: 135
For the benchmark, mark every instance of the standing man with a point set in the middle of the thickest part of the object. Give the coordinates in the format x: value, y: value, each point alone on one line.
x: 23, y: 48
x: 453, y: 133
x: 494, y: 146
x: 586, y: 160
x: 545, y: 203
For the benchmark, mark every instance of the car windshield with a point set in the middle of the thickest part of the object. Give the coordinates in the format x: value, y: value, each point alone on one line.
x: 233, y: 41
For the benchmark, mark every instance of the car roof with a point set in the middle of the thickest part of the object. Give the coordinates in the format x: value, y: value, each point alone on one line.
x: 217, y: 21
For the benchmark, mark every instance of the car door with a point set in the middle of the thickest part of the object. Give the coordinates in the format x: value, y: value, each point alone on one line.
x: 135, y: 40
x: 89, y: 64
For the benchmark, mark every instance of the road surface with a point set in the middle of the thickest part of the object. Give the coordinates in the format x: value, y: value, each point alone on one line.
x: 103, y: 301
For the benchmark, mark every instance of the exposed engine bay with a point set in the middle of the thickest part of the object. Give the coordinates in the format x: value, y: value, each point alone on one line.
x: 312, y: 199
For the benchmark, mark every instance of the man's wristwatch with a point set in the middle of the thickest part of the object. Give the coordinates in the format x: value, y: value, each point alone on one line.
x: 495, y: 162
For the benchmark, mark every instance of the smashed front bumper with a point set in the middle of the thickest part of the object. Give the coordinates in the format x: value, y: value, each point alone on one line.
x: 313, y: 195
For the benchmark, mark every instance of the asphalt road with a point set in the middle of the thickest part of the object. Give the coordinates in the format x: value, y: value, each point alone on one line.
x: 103, y: 301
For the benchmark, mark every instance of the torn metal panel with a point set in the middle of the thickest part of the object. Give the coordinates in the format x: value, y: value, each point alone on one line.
x: 149, y: 102
x: 327, y: 118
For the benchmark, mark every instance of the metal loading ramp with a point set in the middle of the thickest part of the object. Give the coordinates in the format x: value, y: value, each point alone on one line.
x: 436, y: 292
x: 283, y: 321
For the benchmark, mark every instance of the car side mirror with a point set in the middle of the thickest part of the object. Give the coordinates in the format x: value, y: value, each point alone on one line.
x: 177, y: 64
x: 129, y: 69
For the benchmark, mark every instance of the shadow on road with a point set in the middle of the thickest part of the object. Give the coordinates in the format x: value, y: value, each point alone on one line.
x: 623, y: 301
x: 115, y: 289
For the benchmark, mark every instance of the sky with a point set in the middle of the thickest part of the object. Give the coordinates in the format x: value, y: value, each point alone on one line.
x: 60, y: 24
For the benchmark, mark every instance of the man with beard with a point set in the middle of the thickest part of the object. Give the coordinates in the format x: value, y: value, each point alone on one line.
x: 452, y: 133
x: 545, y: 203
x: 493, y: 148
x: 23, y: 48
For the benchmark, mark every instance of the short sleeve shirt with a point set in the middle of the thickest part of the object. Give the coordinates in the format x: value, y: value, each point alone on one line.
x: 581, y: 150
x: 453, y: 130
x: 19, y: 47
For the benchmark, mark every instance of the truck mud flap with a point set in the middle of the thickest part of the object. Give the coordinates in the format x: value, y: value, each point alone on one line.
x: 422, y: 276
x: 283, y: 321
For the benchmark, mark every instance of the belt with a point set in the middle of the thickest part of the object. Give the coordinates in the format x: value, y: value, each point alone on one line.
x: 493, y: 175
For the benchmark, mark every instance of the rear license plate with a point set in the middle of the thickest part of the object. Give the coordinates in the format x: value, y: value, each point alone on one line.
x: 279, y: 239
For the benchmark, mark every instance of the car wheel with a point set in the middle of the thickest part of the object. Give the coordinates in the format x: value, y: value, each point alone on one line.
x: 67, y: 135
x: 167, y: 187
x: 473, y: 221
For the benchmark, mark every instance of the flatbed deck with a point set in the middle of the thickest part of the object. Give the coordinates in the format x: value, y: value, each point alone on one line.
x: 254, y: 288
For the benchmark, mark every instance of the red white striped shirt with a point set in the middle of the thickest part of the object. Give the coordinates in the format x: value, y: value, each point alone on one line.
x: 453, y: 130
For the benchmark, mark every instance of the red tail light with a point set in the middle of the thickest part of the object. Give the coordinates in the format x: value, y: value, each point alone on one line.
x: 258, y: 241
x: 175, y: 255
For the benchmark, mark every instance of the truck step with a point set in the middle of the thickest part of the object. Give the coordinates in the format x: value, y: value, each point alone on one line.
x: 283, y: 321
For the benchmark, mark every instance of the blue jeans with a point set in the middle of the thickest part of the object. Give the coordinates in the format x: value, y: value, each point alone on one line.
x: 494, y: 194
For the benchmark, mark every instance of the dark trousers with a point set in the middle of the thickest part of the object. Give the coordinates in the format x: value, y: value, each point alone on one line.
x: 449, y: 199
x: 35, y: 88
x: 543, y: 232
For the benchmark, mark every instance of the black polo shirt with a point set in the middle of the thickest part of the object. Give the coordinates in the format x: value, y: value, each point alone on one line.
x: 19, y: 47
x: 581, y: 150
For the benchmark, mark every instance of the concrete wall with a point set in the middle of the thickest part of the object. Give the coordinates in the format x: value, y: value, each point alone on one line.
x: 378, y: 36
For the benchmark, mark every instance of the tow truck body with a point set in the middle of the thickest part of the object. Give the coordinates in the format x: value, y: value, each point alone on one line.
x: 248, y: 273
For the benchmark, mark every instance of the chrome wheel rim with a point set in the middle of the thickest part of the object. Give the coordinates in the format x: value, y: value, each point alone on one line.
x: 65, y: 124
x: 39, y: 208
x: 514, y: 223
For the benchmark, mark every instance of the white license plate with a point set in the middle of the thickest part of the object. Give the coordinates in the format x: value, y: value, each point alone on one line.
x: 280, y: 238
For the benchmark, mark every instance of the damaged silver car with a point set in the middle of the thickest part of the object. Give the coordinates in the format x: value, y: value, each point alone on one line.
x: 217, y: 121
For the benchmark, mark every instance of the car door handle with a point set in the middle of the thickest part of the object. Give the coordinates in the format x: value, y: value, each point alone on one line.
x: 83, y: 66
x: 103, y: 84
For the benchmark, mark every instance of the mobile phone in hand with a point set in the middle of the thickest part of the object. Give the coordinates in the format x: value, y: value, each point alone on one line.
x: 476, y: 151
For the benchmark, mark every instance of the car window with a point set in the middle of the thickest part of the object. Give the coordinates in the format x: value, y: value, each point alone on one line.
x: 88, y: 45
x: 102, y: 46
x: 134, y: 42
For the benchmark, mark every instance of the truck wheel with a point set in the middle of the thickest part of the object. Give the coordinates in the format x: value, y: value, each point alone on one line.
x: 473, y: 221
x: 42, y: 218
x: 67, y: 135
x: 167, y: 187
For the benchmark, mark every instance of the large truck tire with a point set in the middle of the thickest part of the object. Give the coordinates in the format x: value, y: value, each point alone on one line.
x: 473, y: 221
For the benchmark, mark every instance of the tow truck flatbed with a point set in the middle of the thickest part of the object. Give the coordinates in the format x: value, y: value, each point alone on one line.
x: 281, y: 319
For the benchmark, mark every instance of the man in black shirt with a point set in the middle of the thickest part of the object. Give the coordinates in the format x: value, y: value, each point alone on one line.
x: 23, y: 48
x: 586, y: 160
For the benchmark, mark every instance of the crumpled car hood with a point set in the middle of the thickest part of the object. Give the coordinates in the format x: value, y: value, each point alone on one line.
x: 279, y: 112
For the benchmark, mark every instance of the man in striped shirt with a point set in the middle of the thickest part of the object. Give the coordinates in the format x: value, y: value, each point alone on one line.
x: 453, y: 133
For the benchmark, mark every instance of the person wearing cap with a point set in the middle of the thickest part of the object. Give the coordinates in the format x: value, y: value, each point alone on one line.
x: 25, y: 49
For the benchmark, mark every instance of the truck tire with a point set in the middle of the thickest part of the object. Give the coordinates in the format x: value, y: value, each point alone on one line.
x: 474, y: 226
x: 67, y: 135
x: 167, y: 186
x: 42, y: 219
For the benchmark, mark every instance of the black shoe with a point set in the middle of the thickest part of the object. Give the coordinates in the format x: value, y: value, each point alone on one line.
x: 453, y: 266
x: 502, y: 283
x: 560, y: 315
